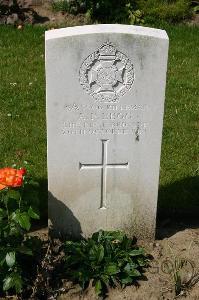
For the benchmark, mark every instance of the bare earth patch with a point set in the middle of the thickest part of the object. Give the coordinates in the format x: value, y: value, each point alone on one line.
x: 55, y: 19
x: 159, y: 282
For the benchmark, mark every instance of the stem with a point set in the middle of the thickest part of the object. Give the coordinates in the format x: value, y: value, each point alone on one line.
x: 6, y: 205
x: 20, y: 202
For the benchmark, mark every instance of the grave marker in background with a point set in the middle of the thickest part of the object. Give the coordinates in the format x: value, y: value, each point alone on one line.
x: 105, y: 102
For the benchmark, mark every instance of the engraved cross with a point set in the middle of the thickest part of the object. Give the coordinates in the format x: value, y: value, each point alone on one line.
x: 103, y: 167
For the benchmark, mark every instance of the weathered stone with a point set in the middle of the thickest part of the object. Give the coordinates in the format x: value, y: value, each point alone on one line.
x: 105, y: 102
x: 12, y: 19
x: 8, y: 3
x: 24, y: 3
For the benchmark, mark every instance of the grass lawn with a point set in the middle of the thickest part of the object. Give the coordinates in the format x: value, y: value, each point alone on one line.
x: 22, y: 114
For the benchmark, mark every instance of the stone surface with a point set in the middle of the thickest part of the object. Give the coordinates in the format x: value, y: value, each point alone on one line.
x: 12, y: 19
x: 105, y: 103
x: 8, y: 3
x: 17, y: 13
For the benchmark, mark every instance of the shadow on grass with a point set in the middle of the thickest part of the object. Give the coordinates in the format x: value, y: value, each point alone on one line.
x: 39, y: 19
x: 178, y: 207
x: 43, y: 205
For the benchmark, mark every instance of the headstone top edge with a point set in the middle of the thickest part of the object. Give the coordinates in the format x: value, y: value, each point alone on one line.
x: 105, y: 28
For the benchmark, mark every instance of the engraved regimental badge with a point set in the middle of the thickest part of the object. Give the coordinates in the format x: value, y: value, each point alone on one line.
x: 107, y: 74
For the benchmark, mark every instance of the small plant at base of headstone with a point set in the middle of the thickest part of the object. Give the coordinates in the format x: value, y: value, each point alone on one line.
x: 108, y: 259
x: 18, y: 205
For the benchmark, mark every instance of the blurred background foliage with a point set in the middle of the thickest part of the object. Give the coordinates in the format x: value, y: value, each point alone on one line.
x: 130, y: 11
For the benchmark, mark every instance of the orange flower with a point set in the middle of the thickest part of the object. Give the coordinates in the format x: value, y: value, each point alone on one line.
x: 10, y: 177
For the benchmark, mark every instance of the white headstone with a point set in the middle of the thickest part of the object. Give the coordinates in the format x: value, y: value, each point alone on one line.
x: 105, y: 103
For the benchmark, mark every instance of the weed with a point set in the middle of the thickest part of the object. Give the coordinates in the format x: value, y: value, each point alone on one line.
x: 108, y: 258
x: 182, y: 271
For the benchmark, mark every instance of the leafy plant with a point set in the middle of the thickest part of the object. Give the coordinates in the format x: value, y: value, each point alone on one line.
x: 106, y: 11
x: 165, y: 10
x: 73, y: 6
x: 108, y: 258
x: 60, y: 6
x: 178, y: 269
x: 182, y: 272
x: 18, y: 206
x: 134, y: 16
x: 195, y: 5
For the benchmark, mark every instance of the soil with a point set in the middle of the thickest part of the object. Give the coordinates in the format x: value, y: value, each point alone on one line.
x: 175, y: 243
x: 42, y: 12
x: 53, y: 19
x: 195, y: 20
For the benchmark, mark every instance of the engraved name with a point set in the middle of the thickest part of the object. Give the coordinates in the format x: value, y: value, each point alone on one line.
x: 104, y: 119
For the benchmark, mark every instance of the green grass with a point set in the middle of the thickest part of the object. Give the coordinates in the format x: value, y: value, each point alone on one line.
x: 22, y: 98
x: 167, y: 10
x: 22, y: 113
x: 180, y: 147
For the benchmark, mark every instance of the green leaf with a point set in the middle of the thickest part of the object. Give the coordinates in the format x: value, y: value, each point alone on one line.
x: 178, y: 283
x: 129, y: 267
x: 134, y: 273
x: 33, y: 214
x: 14, y: 280
x: 31, y: 195
x: 97, y: 236
x: 138, y: 13
x: 132, y: 19
x: 7, y: 283
x: 196, y: 9
x: 100, y: 253
x: 98, y: 287
x: 10, y: 259
x: 108, y: 258
x: 22, y: 219
x: 142, y: 261
x: 116, y: 236
x: 25, y: 250
x: 2, y: 213
x: 96, y: 253
x: 17, y: 283
x: 126, y: 243
x: 5, y: 199
x: 2, y: 257
x: 126, y: 280
x: 105, y: 279
x: 33, y: 183
x: 13, y: 194
x: 137, y: 252
x: 111, y: 269
x: 15, y: 230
